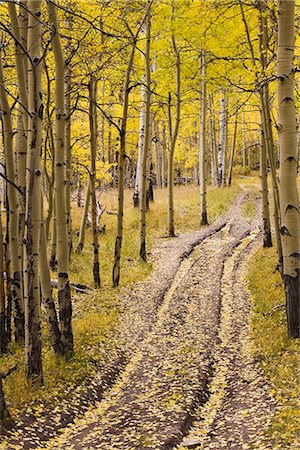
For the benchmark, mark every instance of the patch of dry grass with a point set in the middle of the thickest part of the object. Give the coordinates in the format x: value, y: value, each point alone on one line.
x: 278, y: 354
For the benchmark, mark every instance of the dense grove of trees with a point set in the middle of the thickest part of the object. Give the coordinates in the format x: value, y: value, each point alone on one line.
x: 136, y: 94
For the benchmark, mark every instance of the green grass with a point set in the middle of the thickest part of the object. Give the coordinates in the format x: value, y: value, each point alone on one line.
x: 278, y: 354
x: 95, y: 317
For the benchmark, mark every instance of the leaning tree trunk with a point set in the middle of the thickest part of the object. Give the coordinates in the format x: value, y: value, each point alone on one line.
x: 93, y: 148
x: 213, y: 146
x: 263, y: 49
x: 64, y: 293
x: 289, y: 200
x: 230, y: 166
x: 202, y: 150
x: 84, y: 216
x: 222, y: 118
x: 143, y: 199
x: 12, y: 211
x: 157, y: 154
x: 138, y: 176
x: 33, y: 342
x: 122, y: 154
x: 46, y: 291
x: 121, y: 157
x: 173, y: 139
x: 3, y: 337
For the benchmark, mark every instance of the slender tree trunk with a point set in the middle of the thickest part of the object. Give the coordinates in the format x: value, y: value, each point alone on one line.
x: 46, y: 291
x: 267, y: 233
x: 173, y: 139
x: 138, y: 177
x: 157, y: 154
x: 230, y: 167
x: 3, y: 337
x: 213, y: 146
x: 163, y: 157
x: 202, y: 149
x: 289, y: 200
x: 12, y: 210
x: 84, y: 216
x: 33, y: 342
x: 64, y: 293
x: 222, y: 118
x: 68, y: 88
x: 243, y: 140
x: 122, y: 154
x: 93, y: 148
x: 224, y: 151
x: 143, y: 200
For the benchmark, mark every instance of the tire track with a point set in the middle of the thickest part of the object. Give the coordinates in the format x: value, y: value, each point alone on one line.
x: 240, y: 405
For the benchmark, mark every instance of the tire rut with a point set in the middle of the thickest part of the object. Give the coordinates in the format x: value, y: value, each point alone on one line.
x: 153, y: 403
x: 240, y: 405
x: 162, y: 350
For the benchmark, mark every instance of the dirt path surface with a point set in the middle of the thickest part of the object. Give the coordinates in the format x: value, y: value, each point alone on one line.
x: 183, y: 353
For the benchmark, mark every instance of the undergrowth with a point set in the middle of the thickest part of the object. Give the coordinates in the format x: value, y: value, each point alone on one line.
x: 95, y: 317
x: 278, y: 355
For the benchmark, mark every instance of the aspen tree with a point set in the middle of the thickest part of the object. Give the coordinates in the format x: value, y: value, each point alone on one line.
x: 143, y: 200
x: 266, y: 122
x: 64, y: 294
x: 213, y: 145
x: 138, y: 177
x: 163, y: 156
x: 122, y: 153
x: 173, y: 134
x: 33, y: 343
x: 222, y: 120
x: 12, y: 211
x: 84, y: 216
x: 92, y: 177
x: 3, y: 337
x: 287, y: 131
x: 19, y: 29
x: 157, y: 154
x: 46, y: 291
x: 202, y: 149
x: 267, y: 234
x: 233, y: 145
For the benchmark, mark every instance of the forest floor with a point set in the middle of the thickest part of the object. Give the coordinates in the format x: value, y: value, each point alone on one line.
x: 182, y: 373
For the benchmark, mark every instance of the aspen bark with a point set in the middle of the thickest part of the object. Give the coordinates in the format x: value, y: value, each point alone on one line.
x: 3, y: 337
x: 138, y: 177
x: 12, y: 211
x: 46, y: 291
x: 222, y: 118
x: 122, y: 153
x: 163, y: 157
x: 243, y: 140
x: 289, y: 200
x: 202, y: 149
x: 121, y: 157
x: 19, y: 29
x: 64, y: 294
x: 33, y: 343
x: 224, y: 151
x: 81, y: 238
x: 213, y: 146
x: 267, y: 233
x: 157, y: 154
x: 173, y: 139
x: 230, y: 167
x: 143, y: 200
x: 93, y: 150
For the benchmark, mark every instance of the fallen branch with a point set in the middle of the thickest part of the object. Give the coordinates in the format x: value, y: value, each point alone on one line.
x: 275, y: 308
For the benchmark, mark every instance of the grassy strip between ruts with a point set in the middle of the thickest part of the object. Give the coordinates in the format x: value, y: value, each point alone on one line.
x: 278, y: 355
x: 95, y: 322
